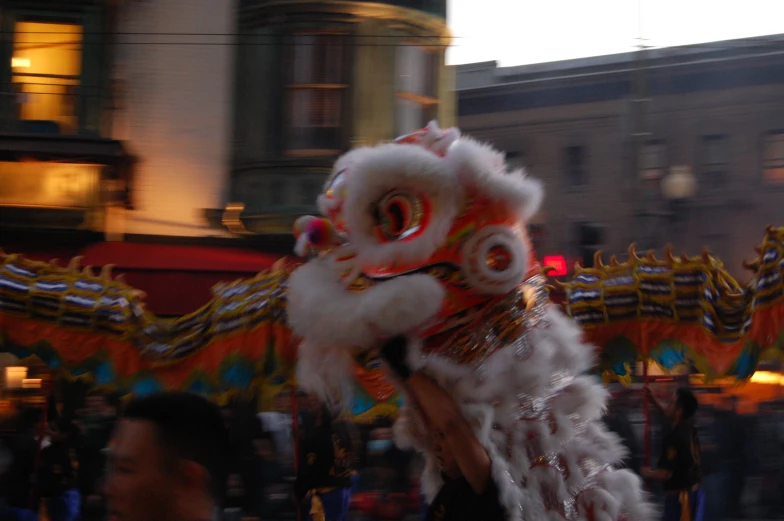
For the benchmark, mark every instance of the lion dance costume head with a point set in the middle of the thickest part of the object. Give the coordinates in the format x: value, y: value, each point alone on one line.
x: 426, y: 237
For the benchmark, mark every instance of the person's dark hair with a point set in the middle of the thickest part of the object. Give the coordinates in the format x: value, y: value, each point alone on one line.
x: 189, y: 427
x: 687, y: 403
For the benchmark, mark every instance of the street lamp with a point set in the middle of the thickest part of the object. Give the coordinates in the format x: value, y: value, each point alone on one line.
x: 677, y: 188
x: 679, y: 184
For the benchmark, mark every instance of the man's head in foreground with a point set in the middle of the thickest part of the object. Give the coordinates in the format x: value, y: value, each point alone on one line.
x: 169, y: 460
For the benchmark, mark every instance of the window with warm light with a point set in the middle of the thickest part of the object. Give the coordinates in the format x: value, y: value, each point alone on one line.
x: 315, y: 94
x: 51, y: 185
x: 773, y: 158
x: 46, y: 70
x: 416, y: 87
x: 14, y: 376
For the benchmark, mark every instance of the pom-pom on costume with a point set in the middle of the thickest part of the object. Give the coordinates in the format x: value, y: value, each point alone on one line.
x: 430, y: 242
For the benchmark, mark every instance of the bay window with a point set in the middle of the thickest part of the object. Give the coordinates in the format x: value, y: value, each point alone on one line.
x: 315, y: 94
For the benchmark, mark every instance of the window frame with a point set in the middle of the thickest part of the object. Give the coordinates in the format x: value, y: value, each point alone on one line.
x: 89, y: 106
x: 51, y: 17
x: 289, y: 88
x: 655, y: 173
x: 428, y: 103
x: 776, y: 163
x: 568, y: 167
x: 708, y: 170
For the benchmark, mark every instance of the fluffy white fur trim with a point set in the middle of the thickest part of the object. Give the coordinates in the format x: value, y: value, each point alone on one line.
x: 577, y: 357
x: 326, y: 371
x: 626, y: 486
x: 399, y: 167
x: 320, y: 310
x: 483, y: 167
x: 551, y: 376
x: 476, y: 250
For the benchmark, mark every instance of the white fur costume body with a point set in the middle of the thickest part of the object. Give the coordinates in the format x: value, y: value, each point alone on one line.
x: 526, y: 397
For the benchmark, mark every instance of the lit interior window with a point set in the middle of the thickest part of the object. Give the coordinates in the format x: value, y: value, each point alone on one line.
x: 46, y: 67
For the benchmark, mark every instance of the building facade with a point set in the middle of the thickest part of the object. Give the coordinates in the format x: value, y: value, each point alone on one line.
x: 128, y: 126
x: 58, y: 161
x: 314, y: 79
x: 604, y: 133
x: 115, y: 115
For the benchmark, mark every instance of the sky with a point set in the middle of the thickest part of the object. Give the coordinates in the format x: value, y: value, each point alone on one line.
x: 519, y: 32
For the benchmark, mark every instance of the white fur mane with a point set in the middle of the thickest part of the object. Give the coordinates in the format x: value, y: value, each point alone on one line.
x: 568, y: 428
x: 535, y: 411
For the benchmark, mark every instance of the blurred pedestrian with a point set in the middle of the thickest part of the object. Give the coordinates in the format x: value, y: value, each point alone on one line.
x: 168, y: 460
x: 679, y: 466
x: 326, y: 464
x: 57, y: 474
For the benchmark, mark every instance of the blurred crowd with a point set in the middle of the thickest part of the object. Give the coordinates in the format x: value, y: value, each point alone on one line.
x: 742, y: 455
x: 57, y: 472
x: 55, y: 469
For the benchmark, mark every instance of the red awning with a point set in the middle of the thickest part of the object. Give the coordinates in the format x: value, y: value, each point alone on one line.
x: 176, y: 279
x: 135, y: 256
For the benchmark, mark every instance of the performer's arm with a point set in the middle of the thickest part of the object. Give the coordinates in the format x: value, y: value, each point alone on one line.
x: 446, y: 421
x: 442, y: 416
x: 656, y: 474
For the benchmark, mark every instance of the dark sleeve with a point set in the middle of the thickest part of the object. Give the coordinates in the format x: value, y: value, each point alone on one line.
x: 678, y: 451
x: 670, y: 454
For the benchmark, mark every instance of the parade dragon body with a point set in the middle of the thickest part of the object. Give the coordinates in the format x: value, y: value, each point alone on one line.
x: 424, y: 237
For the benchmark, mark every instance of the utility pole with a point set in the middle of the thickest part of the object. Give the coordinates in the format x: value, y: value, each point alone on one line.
x: 640, y: 134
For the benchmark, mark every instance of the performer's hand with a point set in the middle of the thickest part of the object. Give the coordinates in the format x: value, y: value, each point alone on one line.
x: 394, y: 352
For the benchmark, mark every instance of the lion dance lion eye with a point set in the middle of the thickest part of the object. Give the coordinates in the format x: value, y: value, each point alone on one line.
x: 399, y: 215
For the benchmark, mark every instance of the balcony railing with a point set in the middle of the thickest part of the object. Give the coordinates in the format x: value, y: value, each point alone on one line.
x: 49, y: 108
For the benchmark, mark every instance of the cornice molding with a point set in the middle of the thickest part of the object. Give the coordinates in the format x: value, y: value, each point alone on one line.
x: 417, y: 22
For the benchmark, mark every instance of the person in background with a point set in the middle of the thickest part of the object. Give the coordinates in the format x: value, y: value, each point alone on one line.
x: 770, y: 446
x: 95, y: 424
x: 712, y: 443
x: 279, y: 424
x: 23, y: 446
x: 18, y: 451
x: 618, y: 421
x: 679, y: 466
x: 57, y: 474
x: 168, y: 460
x: 734, y: 455
x: 267, y: 471
x: 325, y: 475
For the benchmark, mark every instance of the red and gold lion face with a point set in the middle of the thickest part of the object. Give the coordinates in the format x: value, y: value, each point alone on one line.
x: 419, y: 236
